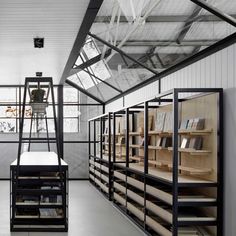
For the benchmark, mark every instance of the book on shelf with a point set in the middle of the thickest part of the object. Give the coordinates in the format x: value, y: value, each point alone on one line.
x: 121, y: 140
x: 168, y: 122
x: 106, y: 127
x: 198, y: 123
x: 142, y: 141
x: 158, y: 141
x: 196, y: 143
x: 50, y: 213
x: 140, y: 121
x: 118, y: 121
x: 166, y: 142
x: 160, y: 121
x: 185, y: 143
x: 184, y: 124
x: 190, y: 123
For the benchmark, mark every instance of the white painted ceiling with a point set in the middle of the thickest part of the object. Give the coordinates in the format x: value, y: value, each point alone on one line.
x: 57, y: 21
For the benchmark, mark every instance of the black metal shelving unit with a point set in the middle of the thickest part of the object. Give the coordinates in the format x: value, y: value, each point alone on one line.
x: 167, y: 199
x: 39, y: 189
x: 102, y: 149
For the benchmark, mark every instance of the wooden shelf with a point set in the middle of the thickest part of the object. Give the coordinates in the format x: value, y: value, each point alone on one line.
x: 120, y: 176
x: 182, y: 132
x: 194, y: 171
x: 191, y: 151
x: 149, y: 147
x: 102, y: 186
x: 195, y: 132
x: 161, y: 133
x: 137, y: 158
x: 135, y: 134
x: 117, y: 134
x: 166, y: 175
x: 159, y: 163
x: 135, y: 146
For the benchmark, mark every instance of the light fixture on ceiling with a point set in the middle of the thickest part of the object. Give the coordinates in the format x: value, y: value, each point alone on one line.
x: 38, y: 42
x: 39, y: 74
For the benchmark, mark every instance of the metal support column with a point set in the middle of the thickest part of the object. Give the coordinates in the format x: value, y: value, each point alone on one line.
x: 175, y: 163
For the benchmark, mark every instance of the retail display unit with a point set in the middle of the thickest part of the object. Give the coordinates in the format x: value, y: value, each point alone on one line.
x: 106, y: 149
x: 100, y: 169
x: 172, y: 180
x: 39, y: 205
x: 39, y: 196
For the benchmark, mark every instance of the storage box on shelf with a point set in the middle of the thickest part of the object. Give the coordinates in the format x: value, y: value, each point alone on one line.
x: 38, y: 203
x: 173, y: 186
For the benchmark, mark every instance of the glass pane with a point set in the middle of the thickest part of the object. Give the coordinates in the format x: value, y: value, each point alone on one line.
x: 7, y: 125
x: 71, y: 125
x: 70, y: 95
x: 8, y: 95
x: 71, y: 111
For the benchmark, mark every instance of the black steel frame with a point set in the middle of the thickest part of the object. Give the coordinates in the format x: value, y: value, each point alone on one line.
x: 60, y: 105
x: 231, y: 39
x: 98, y: 157
x: 18, y: 168
x: 175, y: 185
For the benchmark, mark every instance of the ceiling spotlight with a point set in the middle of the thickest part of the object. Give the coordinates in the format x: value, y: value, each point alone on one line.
x: 38, y: 42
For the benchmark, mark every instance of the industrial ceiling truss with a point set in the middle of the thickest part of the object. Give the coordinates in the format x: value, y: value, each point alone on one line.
x: 131, y: 43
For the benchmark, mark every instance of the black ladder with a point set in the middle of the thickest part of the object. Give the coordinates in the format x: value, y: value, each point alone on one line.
x: 37, y: 83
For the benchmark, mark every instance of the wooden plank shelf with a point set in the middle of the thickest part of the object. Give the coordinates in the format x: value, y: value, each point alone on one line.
x: 160, y: 163
x: 182, y: 132
x: 167, y: 175
x: 136, y: 134
x: 137, y: 158
x: 102, y: 186
x: 149, y: 147
x: 191, y: 151
x: 157, y: 227
x: 195, y: 132
x: 119, y: 175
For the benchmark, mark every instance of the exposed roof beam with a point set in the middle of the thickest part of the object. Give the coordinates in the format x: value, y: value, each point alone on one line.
x: 188, y: 24
x: 88, y: 20
x: 84, y: 91
x: 154, y: 19
x: 165, y: 43
x: 122, y: 52
x: 231, y: 39
x: 231, y: 20
x: 88, y: 63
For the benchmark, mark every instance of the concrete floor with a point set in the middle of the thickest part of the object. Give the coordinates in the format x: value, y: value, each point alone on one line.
x: 89, y: 214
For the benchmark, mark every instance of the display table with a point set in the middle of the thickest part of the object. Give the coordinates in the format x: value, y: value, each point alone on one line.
x: 39, y: 197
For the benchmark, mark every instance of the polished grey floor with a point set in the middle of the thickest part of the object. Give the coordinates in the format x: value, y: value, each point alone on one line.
x: 89, y: 214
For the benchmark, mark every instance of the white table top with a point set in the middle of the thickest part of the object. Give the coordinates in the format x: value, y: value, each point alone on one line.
x: 39, y: 159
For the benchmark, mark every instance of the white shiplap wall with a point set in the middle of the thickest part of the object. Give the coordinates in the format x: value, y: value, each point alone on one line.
x: 217, y: 70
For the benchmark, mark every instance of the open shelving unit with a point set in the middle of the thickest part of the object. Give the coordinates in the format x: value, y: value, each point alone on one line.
x: 171, y: 182
x: 39, y: 205
x: 100, y: 169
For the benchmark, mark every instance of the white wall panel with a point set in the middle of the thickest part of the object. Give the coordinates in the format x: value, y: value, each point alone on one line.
x: 217, y: 70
